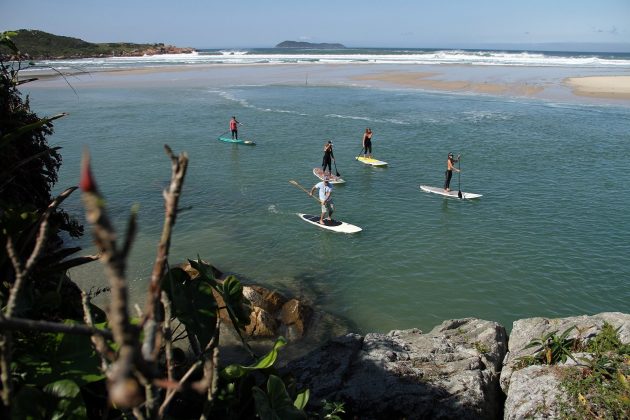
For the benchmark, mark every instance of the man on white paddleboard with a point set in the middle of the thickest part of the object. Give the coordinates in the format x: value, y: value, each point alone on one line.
x: 325, y: 197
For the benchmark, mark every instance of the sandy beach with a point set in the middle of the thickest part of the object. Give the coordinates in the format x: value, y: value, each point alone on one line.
x: 612, y: 87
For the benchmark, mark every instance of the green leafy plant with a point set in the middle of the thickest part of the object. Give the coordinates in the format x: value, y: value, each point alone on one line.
x: 332, y: 409
x: 606, y: 340
x: 275, y: 404
x: 599, y: 387
x: 553, y: 349
x: 481, y: 347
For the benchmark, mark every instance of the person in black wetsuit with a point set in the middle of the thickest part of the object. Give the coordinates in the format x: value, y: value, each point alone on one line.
x: 328, y: 158
x: 367, y: 143
x: 449, y: 171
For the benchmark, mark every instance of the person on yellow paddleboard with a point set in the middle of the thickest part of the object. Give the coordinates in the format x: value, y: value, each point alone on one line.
x: 450, y: 167
x: 325, y: 197
x: 367, y: 143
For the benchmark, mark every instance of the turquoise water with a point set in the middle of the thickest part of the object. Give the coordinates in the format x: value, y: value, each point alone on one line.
x: 549, y: 237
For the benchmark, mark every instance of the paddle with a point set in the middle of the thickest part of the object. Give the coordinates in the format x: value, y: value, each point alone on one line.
x: 459, y: 176
x: 361, y: 152
x: 336, y: 171
x: 304, y: 189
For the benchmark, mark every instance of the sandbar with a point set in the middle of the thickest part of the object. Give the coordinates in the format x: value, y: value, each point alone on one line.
x: 551, y: 83
x: 428, y: 81
x: 613, y: 87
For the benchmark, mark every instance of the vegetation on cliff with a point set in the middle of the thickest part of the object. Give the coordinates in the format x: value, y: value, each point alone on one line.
x: 39, y: 45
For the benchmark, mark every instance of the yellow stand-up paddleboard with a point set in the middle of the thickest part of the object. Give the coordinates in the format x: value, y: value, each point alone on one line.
x: 371, y: 161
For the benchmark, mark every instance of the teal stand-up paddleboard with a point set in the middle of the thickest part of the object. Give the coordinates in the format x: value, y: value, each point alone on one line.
x: 237, y: 141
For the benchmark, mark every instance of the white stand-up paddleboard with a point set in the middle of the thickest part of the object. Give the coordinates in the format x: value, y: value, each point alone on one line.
x: 371, y: 161
x: 450, y: 194
x: 334, y: 225
x: 333, y: 179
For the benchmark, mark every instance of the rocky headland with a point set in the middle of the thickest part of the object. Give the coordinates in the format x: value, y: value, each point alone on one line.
x: 310, y: 45
x: 39, y: 45
x: 462, y: 369
x: 468, y: 369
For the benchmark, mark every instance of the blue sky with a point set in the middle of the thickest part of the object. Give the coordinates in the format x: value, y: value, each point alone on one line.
x: 354, y: 23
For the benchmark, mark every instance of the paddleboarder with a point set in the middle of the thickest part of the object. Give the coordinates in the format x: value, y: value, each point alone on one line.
x: 450, y: 167
x: 234, y: 128
x: 325, y: 198
x: 367, y: 143
x: 328, y: 158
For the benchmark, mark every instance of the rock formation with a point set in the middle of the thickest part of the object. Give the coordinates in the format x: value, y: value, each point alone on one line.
x: 450, y: 372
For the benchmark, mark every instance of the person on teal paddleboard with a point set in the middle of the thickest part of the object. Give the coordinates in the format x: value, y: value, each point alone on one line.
x: 234, y: 128
x: 449, y: 171
x: 328, y: 158
x: 325, y: 197
x: 367, y: 143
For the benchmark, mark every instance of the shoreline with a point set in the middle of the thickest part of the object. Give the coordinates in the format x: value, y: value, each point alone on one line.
x: 531, y: 82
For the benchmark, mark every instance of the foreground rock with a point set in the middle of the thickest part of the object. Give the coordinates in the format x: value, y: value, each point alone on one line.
x: 450, y: 372
x: 535, y: 391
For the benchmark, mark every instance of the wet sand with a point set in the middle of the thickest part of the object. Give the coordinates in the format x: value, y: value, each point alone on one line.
x: 611, y: 87
x: 432, y: 81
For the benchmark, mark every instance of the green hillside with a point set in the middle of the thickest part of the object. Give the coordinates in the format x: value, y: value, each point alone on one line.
x: 42, y: 45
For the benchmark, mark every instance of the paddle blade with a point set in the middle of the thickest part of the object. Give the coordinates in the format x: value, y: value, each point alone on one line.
x: 459, y: 194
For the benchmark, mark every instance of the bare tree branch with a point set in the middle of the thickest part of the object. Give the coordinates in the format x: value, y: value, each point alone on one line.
x: 179, y: 165
x: 99, y: 342
x: 124, y: 388
x: 22, y: 273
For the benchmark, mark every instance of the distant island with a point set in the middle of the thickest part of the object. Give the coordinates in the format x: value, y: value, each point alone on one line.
x: 39, y: 45
x: 300, y: 44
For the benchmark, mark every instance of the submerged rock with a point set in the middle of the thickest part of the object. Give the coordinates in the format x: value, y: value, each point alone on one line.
x: 272, y: 314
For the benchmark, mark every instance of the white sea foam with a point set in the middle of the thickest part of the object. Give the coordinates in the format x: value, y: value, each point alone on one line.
x: 374, y: 120
x: 242, y: 57
x: 245, y: 104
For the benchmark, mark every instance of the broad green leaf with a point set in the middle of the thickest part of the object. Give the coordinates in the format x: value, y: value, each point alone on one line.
x: 235, y: 371
x: 48, y: 358
x: 204, y: 271
x: 281, y: 405
x: 237, y: 306
x: 68, y: 402
x: 64, y: 388
x: 192, y: 303
x: 302, y: 399
x: 263, y: 406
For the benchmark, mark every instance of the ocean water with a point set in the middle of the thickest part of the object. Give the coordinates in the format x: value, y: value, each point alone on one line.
x: 549, y: 237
